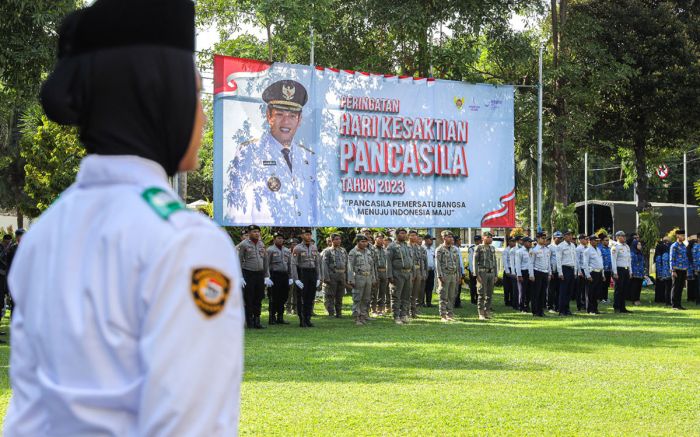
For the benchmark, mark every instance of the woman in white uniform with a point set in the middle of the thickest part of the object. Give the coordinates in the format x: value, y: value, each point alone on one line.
x: 128, y: 313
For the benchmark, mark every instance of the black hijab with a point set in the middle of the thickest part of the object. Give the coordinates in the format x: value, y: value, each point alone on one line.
x: 130, y: 92
x: 660, y: 249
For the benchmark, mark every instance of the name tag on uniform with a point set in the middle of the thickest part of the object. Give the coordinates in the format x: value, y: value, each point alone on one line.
x: 268, y: 163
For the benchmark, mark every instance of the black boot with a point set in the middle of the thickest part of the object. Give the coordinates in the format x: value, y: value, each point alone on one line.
x: 249, y: 321
x: 308, y: 322
x: 302, y: 321
x: 280, y: 319
x: 256, y: 320
x: 271, y: 320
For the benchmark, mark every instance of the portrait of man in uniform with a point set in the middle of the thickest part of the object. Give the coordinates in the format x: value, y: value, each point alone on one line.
x: 272, y: 179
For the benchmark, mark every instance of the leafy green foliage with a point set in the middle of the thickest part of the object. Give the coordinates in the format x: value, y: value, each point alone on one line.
x: 27, y: 32
x: 649, y: 230
x: 52, y: 155
x: 564, y: 217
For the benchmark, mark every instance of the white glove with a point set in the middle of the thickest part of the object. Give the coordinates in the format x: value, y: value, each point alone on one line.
x: 268, y: 282
x: 242, y: 282
x: 300, y: 284
x: 291, y: 281
x: 318, y: 283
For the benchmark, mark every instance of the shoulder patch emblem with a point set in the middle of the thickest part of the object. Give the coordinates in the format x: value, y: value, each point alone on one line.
x: 162, y: 202
x: 210, y: 290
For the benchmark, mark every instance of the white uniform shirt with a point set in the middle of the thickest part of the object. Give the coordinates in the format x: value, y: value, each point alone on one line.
x: 579, y: 257
x: 264, y: 190
x: 540, y: 258
x: 430, y: 256
x: 620, y: 256
x: 523, y: 262
x: 566, y: 256
x: 592, y: 260
x: 505, y: 260
x: 109, y: 331
x: 511, y: 259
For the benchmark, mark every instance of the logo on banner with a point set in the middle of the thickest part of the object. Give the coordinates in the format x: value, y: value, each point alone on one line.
x: 459, y: 102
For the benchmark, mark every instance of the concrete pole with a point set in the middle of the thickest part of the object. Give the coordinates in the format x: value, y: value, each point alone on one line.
x: 685, y: 193
x: 532, y: 205
x: 539, y: 145
x: 585, y: 193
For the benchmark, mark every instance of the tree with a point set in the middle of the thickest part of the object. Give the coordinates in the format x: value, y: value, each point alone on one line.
x: 637, y: 78
x: 52, y: 155
x: 27, y: 32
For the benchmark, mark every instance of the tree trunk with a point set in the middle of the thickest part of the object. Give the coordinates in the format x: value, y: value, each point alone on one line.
x: 268, y: 29
x: 640, y: 164
x: 20, y: 219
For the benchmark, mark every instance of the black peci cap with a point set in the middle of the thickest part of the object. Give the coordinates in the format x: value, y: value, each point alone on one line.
x: 287, y: 95
x: 252, y: 228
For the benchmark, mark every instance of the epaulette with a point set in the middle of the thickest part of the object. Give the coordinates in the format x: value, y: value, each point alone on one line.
x: 162, y: 202
x: 307, y: 149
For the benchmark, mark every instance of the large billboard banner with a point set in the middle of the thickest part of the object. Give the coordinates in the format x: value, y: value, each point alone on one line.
x: 298, y: 145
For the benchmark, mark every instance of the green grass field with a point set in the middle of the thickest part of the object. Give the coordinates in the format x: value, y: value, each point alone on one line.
x: 612, y: 374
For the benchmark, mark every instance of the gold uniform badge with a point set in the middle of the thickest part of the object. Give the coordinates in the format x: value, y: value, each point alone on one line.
x: 210, y: 289
x: 274, y: 183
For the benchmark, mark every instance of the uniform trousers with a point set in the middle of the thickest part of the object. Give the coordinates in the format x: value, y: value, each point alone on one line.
x: 472, y: 288
x: 279, y: 292
x: 334, y: 292
x: 488, y: 278
x: 621, y: 286
x: 581, y: 292
x: 692, y: 288
x: 381, y: 297
x: 565, y: 286
x: 448, y: 288
x: 635, y: 289
x: 418, y: 286
x: 515, y: 301
x: 553, y: 293
x: 253, y: 292
x: 539, y: 292
x: 429, y: 285
x: 401, y: 294
x: 678, y: 284
x: 605, y: 285
x: 507, y: 289
x: 306, y: 296
x: 660, y: 286
x: 361, y: 293
x: 593, y: 291
x: 524, y: 291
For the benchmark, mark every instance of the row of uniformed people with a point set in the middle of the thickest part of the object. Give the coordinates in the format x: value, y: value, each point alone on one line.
x: 582, y: 272
x: 551, y: 273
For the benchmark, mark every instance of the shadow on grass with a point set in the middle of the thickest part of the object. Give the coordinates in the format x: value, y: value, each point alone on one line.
x: 338, y: 351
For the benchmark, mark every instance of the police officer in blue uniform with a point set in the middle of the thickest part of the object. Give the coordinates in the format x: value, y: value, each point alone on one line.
x: 272, y: 179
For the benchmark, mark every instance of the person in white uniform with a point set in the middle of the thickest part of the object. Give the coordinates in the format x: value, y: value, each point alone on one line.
x: 272, y: 180
x: 128, y: 311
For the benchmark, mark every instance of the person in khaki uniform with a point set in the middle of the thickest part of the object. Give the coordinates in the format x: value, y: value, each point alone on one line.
x: 256, y: 275
x: 399, y: 272
x: 306, y: 264
x: 419, y: 271
x: 447, y: 270
x: 334, y: 261
x: 485, y: 270
x: 361, y: 277
x: 279, y: 260
x: 381, y: 298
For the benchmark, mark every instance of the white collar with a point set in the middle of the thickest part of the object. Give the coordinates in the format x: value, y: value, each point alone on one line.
x: 120, y: 169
